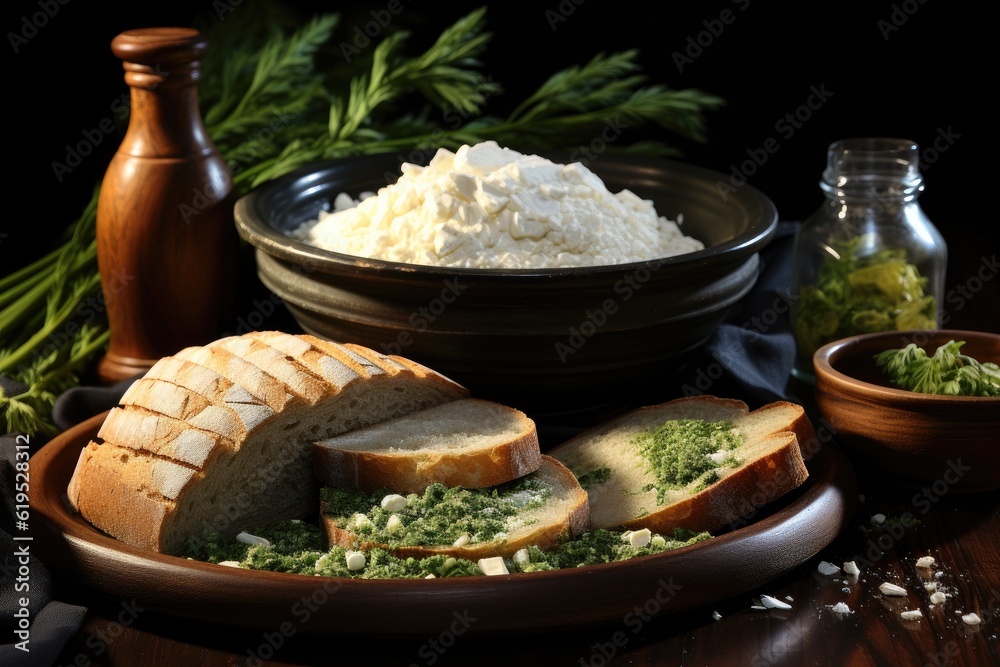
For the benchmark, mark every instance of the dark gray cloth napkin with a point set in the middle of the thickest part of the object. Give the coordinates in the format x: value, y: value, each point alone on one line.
x: 34, y: 623
x: 23, y: 577
x: 750, y: 356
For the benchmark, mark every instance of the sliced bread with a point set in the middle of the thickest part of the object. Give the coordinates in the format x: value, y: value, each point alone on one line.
x: 196, y: 460
x: 712, y: 462
x: 471, y: 443
x: 540, y: 509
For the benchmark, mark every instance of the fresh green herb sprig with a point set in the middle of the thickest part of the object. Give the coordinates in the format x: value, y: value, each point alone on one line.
x: 273, y: 99
x: 946, y: 372
x: 45, y: 345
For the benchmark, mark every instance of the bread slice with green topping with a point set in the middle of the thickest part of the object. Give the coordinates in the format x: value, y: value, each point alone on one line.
x: 542, y: 509
x: 696, y: 463
x: 471, y: 442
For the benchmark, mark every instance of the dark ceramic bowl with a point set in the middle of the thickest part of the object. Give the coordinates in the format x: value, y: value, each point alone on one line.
x: 943, y: 443
x: 573, y: 344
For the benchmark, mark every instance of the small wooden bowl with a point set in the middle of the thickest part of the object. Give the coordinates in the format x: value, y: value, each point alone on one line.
x: 942, y: 443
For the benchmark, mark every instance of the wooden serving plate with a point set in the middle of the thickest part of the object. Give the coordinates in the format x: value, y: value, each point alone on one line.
x: 782, y: 537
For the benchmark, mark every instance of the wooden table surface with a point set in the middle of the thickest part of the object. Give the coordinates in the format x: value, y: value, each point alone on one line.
x: 961, y: 532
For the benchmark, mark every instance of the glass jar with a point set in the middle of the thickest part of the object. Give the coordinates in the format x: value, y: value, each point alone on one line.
x: 868, y: 259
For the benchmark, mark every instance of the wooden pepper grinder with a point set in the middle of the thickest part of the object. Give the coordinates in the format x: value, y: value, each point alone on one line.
x: 166, y: 242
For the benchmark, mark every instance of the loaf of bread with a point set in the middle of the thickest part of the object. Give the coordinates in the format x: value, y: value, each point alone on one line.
x: 470, y: 443
x: 244, y: 431
x: 218, y: 438
x: 697, y: 463
x: 540, y: 509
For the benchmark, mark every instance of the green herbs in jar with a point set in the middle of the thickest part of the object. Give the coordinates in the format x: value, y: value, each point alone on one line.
x: 857, y: 292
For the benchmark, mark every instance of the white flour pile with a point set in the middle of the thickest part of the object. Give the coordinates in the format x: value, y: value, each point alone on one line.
x: 484, y: 206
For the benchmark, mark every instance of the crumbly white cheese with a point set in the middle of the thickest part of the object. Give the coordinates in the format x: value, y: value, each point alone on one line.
x: 486, y: 206
x: 393, y: 524
x: 492, y: 566
x: 247, y: 538
x: 355, y: 560
x: 827, y: 568
x: 638, y: 538
x: 925, y: 561
x: 892, y: 589
x: 719, y: 457
x: 772, y: 602
x: 359, y: 521
x: 393, y: 502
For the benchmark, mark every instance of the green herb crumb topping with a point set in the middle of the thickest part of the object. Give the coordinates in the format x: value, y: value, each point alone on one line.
x: 685, y: 451
x: 604, y: 546
x: 594, y: 477
x: 440, y: 515
x: 296, y: 547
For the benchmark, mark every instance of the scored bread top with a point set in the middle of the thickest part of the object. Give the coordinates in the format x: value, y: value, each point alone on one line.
x: 232, y: 421
x: 770, y: 465
x: 162, y: 436
x: 469, y: 442
x: 332, y: 363
x: 261, y: 385
x: 297, y: 376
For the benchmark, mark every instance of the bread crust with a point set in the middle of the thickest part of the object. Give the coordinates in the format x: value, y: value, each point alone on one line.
x: 777, y: 469
x: 111, y: 498
x: 752, y: 485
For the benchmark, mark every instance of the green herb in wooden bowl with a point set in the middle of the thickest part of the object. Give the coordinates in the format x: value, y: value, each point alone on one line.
x: 947, y: 371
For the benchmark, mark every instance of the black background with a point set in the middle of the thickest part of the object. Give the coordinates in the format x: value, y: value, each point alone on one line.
x: 889, y: 68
